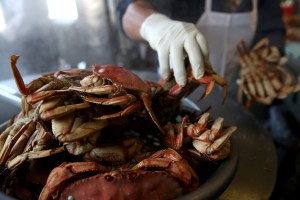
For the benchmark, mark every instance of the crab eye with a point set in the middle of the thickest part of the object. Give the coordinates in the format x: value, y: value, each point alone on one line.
x: 132, y: 175
x: 70, y: 197
x: 109, y: 178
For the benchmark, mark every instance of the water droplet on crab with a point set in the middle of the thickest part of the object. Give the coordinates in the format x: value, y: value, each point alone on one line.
x: 70, y: 197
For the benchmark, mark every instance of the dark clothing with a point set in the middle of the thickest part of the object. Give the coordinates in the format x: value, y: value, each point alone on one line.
x: 270, y: 23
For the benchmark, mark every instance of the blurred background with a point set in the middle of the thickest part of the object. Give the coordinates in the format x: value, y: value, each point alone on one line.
x: 49, y: 35
x: 54, y: 34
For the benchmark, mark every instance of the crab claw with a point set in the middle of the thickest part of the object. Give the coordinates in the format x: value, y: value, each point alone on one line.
x: 218, y: 79
x: 171, y: 161
x: 198, y: 129
x: 210, y: 149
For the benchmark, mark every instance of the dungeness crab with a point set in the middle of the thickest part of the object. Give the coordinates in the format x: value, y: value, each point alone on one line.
x: 210, y: 139
x: 263, y: 77
x: 122, y: 87
x: 152, y: 178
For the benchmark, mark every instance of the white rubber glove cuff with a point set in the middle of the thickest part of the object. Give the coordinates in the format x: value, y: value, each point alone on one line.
x: 152, y: 28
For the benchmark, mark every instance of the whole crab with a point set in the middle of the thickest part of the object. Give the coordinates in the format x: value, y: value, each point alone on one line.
x: 122, y: 86
x: 47, y: 85
x: 210, y: 139
x: 72, y: 119
x: 30, y: 136
x: 263, y: 77
x: 160, y: 176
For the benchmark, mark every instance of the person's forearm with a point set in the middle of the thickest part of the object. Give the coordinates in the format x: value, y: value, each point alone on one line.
x: 134, y: 16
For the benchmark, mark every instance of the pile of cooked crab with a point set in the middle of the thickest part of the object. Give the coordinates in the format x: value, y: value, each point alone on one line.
x: 105, y: 133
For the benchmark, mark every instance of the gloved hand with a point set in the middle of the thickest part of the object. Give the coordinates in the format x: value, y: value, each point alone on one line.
x: 173, y: 40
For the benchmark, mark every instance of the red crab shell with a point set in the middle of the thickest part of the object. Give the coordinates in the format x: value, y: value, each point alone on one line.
x: 129, y: 80
x: 122, y: 76
x: 125, y: 185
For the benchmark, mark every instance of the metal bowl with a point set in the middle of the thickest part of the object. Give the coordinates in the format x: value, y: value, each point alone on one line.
x: 213, y: 187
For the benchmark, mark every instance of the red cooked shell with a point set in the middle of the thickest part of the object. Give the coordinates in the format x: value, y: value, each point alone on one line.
x: 139, y: 184
x: 122, y: 76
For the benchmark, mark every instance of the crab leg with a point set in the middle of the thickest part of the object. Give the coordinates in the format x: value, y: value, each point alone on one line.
x: 13, y: 128
x: 21, y: 142
x: 39, y: 140
x: 126, y: 111
x: 49, y: 104
x: 259, y: 90
x: 63, y: 110
x: 250, y: 84
x: 222, y: 153
x: 198, y: 129
x: 243, y: 50
x: 209, y: 135
x: 120, y: 100
x: 271, y: 54
x: 41, y: 95
x: 215, y: 78
x: 222, y: 82
x: 84, y: 130
x: 84, y: 146
x: 210, y: 148
x: 255, y: 85
x: 287, y: 86
x: 209, y: 80
x: 260, y: 44
x: 123, y: 100
x: 40, y: 88
x: 276, y: 83
x: 102, y: 89
x: 27, y: 128
x: 147, y: 104
x: 243, y: 90
x: 30, y: 88
x: 114, y: 153
x: 12, y: 164
x: 80, y: 73
x: 25, y: 106
x: 264, y: 100
x: 270, y: 92
x: 164, y: 159
x: 170, y: 138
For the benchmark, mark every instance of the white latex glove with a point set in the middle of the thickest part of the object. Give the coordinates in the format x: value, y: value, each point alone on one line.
x: 172, y: 40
